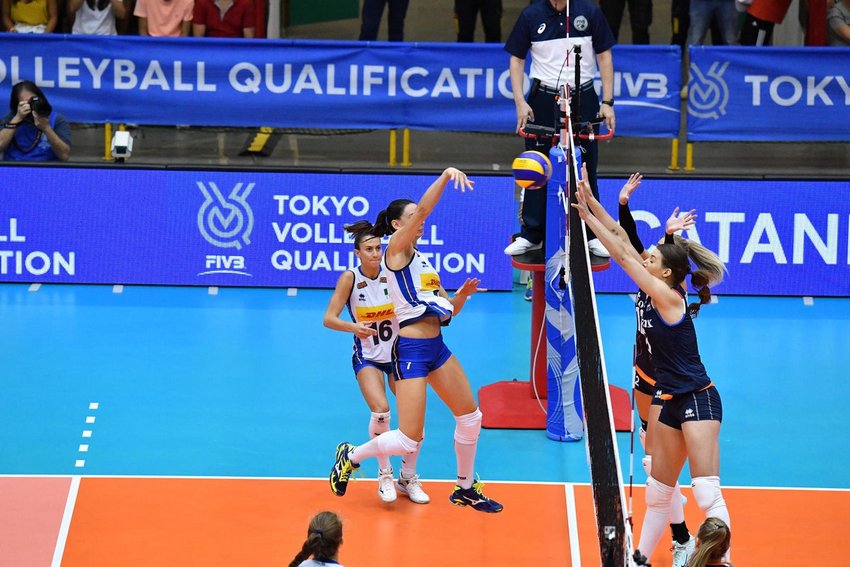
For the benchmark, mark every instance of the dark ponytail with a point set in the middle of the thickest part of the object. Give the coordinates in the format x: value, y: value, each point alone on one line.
x: 361, y: 230
x: 384, y: 222
x: 324, y: 536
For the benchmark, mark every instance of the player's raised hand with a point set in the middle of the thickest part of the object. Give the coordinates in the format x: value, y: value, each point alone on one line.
x: 460, y: 179
x: 629, y: 187
x: 676, y: 222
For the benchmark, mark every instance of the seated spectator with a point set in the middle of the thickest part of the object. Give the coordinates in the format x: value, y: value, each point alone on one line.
x: 324, y: 536
x: 223, y: 18
x: 96, y: 17
x: 165, y: 18
x: 29, y: 16
x: 712, y: 545
x: 31, y: 131
x: 838, y: 20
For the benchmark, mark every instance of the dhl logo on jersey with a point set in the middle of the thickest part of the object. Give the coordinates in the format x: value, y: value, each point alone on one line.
x: 430, y: 281
x: 375, y: 312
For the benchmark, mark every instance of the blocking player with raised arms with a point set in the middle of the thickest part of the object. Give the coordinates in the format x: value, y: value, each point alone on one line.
x: 644, y: 386
x: 364, y: 291
x: 688, y: 425
x: 420, y: 357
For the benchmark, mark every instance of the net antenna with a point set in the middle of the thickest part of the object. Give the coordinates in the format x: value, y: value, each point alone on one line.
x: 609, y: 496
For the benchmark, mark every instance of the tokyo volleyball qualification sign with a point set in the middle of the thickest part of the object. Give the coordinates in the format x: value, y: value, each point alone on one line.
x: 775, y: 95
x: 311, y: 84
x: 125, y: 226
x: 776, y: 237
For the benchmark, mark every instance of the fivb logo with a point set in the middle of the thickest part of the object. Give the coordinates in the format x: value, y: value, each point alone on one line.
x: 226, y: 222
x: 708, y: 93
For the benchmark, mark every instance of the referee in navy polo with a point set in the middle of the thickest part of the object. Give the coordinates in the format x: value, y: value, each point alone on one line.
x: 542, y: 30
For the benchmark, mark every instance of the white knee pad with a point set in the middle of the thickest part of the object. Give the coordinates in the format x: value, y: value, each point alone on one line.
x: 707, y: 494
x: 468, y: 428
x: 379, y: 423
x: 396, y: 443
x: 658, y: 495
x: 647, y: 465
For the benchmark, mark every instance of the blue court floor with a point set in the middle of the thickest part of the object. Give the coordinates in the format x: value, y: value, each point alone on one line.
x: 177, y: 381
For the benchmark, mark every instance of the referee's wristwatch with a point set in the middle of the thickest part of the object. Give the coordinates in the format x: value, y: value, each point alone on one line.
x: 609, y: 102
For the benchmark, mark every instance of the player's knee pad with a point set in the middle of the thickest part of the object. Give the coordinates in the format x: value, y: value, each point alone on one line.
x: 395, y: 442
x: 707, y: 493
x: 658, y: 495
x: 468, y: 427
x: 647, y: 465
x: 379, y: 423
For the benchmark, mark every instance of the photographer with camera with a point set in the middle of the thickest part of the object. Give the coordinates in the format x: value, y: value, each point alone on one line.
x: 32, y: 131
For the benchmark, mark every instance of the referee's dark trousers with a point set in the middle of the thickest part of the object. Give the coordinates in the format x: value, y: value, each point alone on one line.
x: 542, y: 102
x: 373, y: 12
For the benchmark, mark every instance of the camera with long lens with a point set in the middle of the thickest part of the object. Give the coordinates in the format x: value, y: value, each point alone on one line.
x: 40, y: 106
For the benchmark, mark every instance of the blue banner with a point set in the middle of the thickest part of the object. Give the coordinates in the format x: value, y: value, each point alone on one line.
x: 311, y: 84
x: 769, y: 95
x: 776, y: 237
x: 216, y: 228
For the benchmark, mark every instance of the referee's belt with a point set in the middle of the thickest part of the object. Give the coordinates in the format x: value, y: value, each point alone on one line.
x: 537, y: 86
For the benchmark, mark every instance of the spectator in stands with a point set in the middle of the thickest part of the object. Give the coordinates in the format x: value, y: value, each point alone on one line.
x: 640, y: 17
x: 223, y: 18
x: 96, y: 17
x: 713, y: 541
x: 466, y: 12
x: 31, y: 131
x: 29, y: 16
x: 838, y: 18
x: 321, y: 548
x: 702, y: 11
x: 762, y: 16
x: 373, y: 12
x: 165, y: 18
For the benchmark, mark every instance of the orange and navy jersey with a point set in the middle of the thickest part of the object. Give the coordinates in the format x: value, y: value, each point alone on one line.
x: 415, y: 290
x: 674, y: 351
x: 369, y: 302
x: 642, y: 358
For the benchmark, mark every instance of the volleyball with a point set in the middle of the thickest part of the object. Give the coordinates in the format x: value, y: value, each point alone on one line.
x: 532, y: 170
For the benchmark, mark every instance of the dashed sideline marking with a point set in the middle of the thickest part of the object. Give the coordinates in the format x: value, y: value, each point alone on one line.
x: 118, y: 288
x: 35, y: 287
x: 292, y: 292
x: 808, y: 301
x: 84, y: 447
x: 213, y: 290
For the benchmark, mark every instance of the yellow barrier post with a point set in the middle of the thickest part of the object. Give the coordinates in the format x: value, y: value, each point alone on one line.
x: 674, y: 156
x: 405, y: 148
x: 107, y: 141
x: 393, y: 162
x: 689, y: 157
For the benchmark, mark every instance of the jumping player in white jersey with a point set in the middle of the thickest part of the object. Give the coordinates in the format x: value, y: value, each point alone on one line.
x: 375, y: 327
x: 688, y: 425
x: 419, y: 355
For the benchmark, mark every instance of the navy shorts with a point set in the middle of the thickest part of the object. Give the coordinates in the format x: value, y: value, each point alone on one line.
x: 416, y: 358
x: 359, y: 363
x: 704, y: 405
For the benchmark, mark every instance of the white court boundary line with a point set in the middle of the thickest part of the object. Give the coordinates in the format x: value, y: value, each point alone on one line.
x: 447, y: 480
x: 572, y: 525
x: 62, y: 538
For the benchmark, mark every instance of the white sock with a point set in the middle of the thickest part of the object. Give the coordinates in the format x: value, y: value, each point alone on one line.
x: 467, y: 430
x: 392, y: 442
x: 408, y: 462
x: 380, y: 423
x: 658, y: 498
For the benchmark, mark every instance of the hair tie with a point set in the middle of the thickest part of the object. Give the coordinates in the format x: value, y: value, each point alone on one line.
x: 318, y: 532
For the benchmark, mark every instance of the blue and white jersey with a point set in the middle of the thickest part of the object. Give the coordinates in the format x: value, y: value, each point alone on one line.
x: 415, y: 290
x: 543, y: 31
x: 369, y: 302
x: 674, y: 351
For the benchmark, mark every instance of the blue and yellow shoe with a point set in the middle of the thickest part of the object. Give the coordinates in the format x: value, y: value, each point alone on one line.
x: 474, y: 497
x: 342, y: 469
